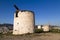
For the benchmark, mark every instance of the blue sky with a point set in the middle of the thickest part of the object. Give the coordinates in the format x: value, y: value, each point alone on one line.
x: 46, y: 11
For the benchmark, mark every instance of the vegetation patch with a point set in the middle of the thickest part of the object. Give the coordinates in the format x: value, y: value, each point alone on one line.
x: 38, y: 30
x: 55, y: 30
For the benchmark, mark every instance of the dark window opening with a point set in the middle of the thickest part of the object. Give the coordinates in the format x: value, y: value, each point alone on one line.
x: 15, y: 30
x: 17, y: 23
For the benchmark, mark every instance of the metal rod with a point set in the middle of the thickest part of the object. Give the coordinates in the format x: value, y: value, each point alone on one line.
x: 16, y: 7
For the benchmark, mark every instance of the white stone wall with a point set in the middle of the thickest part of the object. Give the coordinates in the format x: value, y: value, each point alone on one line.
x: 55, y: 27
x: 45, y: 28
x: 24, y: 23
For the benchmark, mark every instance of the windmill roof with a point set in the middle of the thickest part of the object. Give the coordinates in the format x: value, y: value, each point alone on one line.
x: 26, y: 10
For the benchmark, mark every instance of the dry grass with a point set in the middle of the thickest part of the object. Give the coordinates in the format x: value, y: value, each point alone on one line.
x: 35, y: 36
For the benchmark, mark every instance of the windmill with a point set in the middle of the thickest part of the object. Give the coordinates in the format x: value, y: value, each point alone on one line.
x: 24, y: 23
x: 17, y: 10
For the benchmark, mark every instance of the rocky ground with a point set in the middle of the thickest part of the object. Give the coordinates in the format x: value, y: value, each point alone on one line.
x: 40, y: 36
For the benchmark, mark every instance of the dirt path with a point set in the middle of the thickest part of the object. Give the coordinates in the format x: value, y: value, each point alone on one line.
x: 41, y: 36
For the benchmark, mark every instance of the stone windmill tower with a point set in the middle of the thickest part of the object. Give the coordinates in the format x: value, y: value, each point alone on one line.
x: 23, y: 21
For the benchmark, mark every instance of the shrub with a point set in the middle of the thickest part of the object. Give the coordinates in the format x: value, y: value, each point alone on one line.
x: 55, y: 30
x: 38, y: 30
